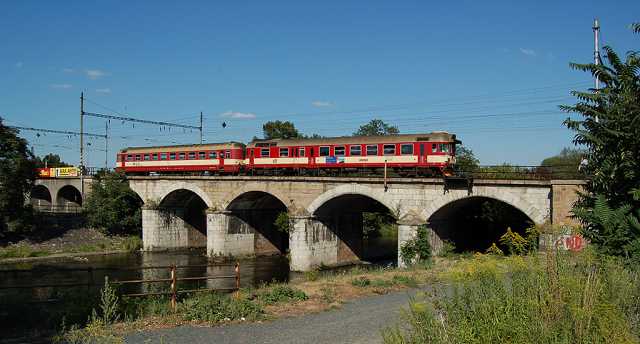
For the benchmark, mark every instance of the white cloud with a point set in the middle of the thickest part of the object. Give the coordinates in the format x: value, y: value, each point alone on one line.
x: 61, y: 86
x: 103, y: 90
x: 67, y: 70
x: 528, y: 52
x: 19, y: 64
x: 238, y: 115
x: 95, y: 73
x: 320, y: 103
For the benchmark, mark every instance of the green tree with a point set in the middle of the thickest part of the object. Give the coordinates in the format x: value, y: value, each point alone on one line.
x: 280, y: 130
x: 376, y: 127
x: 17, y: 174
x: 465, y: 160
x: 610, y: 129
x: 112, y: 206
x: 51, y: 160
x: 565, y: 164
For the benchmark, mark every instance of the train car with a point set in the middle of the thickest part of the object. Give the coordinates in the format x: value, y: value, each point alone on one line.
x: 212, y: 157
x: 422, y: 154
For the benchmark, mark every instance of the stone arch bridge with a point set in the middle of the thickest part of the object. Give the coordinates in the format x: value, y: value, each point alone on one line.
x: 236, y: 215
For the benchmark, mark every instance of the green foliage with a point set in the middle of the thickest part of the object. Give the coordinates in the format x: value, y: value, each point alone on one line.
x: 379, y: 225
x: 619, y: 229
x: 418, y: 249
x: 280, y: 130
x: 17, y: 174
x: 20, y: 251
x: 312, y: 275
x: 514, y: 242
x: 50, y: 160
x: 112, y: 206
x: 282, y: 222
x: 361, y: 282
x: 132, y: 243
x: 448, y: 249
x: 281, y: 293
x: 214, y: 307
x: 408, y: 281
x: 376, y: 127
x: 141, y: 307
x: 494, y: 249
x: 565, y: 165
x: 465, y: 159
x: 610, y: 129
x: 567, y: 299
x: 109, y: 307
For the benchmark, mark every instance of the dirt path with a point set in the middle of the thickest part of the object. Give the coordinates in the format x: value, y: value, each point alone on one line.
x: 358, y: 321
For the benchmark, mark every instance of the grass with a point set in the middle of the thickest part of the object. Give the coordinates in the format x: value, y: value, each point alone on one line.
x: 281, y: 293
x: 557, y: 298
x: 20, y: 251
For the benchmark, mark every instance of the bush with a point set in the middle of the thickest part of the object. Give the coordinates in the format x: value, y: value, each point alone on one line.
x: 214, y: 307
x: 112, y: 206
x: 281, y: 293
x: 361, y: 282
x: 132, y: 243
x: 567, y: 299
x: 417, y: 250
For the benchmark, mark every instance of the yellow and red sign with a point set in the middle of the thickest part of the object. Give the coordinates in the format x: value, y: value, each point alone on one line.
x: 58, y: 172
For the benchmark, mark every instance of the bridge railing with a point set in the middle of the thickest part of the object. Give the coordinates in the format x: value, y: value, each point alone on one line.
x: 58, y: 209
x: 523, y: 172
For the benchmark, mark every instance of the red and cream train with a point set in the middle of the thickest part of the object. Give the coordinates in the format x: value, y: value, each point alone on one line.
x: 422, y: 154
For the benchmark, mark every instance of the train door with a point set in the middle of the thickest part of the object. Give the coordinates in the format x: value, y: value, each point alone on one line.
x: 312, y: 158
x: 220, y: 160
x: 423, y: 154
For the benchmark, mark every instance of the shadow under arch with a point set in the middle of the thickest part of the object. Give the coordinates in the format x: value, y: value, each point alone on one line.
x: 69, y: 197
x: 365, y: 228
x: 185, y: 209
x: 256, y: 212
x: 474, y: 223
x: 40, y: 198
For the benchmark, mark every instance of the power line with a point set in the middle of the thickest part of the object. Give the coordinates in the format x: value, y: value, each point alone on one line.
x: 56, y: 131
x: 131, y: 119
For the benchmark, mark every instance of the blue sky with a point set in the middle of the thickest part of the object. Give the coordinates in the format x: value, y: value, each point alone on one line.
x: 492, y: 72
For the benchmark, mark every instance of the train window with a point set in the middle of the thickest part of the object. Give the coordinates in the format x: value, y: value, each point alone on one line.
x: 172, y: 156
x: 355, y: 150
x: 406, y: 149
x: 129, y: 157
x: 213, y: 155
x: 227, y: 154
x: 147, y: 157
x: 372, y: 149
x: 284, y: 152
x: 202, y: 155
x: 389, y: 149
x: 138, y: 157
x: 338, y: 151
x: 324, y: 151
x: 192, y: 155
x: 301, y: 152
x: 264, y: 152
x: 181, y: 156
x: 443, y: 147
x: 163, y: 156
x: 434, y: 147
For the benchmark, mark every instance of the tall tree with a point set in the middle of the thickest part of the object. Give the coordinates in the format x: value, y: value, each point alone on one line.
x: 566, y: 164
x: 610, y: 129
x: 50, y: 160
x: 17, y: 175
x: 280, y: 130
x: 112, y: 206
x: 376, y: 127
x: 465, y: 160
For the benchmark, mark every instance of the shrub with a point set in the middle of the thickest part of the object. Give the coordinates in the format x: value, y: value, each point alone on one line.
x: 281, y: 293
x: 132, y: 243
x: 418, y: 249
x: 448, y: 249
x: 282, y: 222
x: 494, y: 249
x: 567, y: 299
x: 361, y: 282
x: 514, y: 242
x: 214, y: 307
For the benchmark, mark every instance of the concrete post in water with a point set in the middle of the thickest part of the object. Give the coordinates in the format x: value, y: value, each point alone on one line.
x: 311, y: 244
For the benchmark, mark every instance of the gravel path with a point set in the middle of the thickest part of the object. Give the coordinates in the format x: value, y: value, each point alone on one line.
x: 358, y: 321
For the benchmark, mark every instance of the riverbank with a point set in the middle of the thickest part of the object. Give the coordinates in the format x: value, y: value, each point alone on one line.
x: 75, y: 242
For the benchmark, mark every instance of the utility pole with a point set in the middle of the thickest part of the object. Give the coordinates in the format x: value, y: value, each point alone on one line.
x: 106, y: 145
x: 596, y: 54
x: 82, y: 144
x: 200, y: 127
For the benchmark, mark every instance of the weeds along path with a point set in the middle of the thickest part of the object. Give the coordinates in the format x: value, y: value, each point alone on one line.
x: 356, y: 321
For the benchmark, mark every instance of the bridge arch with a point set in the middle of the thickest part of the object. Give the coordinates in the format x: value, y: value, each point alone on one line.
x: 475, y: 222
x: 360, y: 221
x: 40, y: 198
x: 69, y: 197
x: 178, y: 186
x: 353, y: 189
x: 259, y: 214
x: 516, y: 201
x: 184, y: 211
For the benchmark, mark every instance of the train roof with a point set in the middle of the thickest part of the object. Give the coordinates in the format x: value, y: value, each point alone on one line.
x: 439, y: 136
x: 180, y: 148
